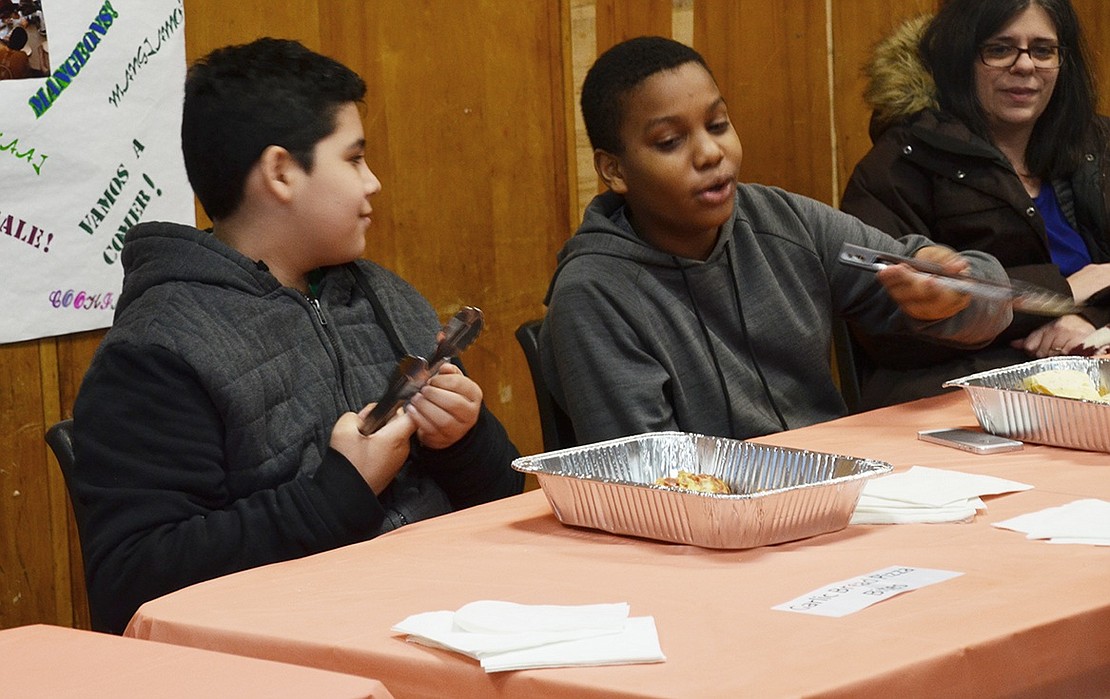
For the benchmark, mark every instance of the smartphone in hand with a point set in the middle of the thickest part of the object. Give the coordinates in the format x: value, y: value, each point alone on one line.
x: 970, y: 440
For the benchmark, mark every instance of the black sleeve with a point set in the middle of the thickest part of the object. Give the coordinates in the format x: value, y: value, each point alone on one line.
x: 889, y: 194
x: 897, y: 204
x: 149, y: 490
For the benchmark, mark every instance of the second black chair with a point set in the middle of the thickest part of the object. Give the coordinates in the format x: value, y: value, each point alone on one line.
x: 60, y: 438
x: 558, y: 432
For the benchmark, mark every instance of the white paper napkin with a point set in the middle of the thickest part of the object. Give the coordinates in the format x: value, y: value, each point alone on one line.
x: 929, y: 495
x: 1079, y: 522
x: 509, y: 636
x: 871, y: 510
x: 490, y: 616
x: 637, y: 643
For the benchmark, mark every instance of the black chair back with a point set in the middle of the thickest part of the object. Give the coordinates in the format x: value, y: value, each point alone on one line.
x: 555, y: 424
x: 60, y: 439
x: 851, y: 364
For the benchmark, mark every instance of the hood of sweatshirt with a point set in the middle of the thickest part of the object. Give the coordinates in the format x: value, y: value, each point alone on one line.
x: 157, y: 253
x: 898, y: 83
x: 606, y: 231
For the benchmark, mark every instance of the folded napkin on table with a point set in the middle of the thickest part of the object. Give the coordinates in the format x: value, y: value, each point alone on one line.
x: 924, y: 494
x: 509, y: 636
x: 1079, y: 522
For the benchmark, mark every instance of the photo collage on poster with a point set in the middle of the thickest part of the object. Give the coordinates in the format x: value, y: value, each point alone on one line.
x: 23, y: 49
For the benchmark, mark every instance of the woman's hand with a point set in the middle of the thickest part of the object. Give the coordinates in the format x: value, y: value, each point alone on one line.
x: 921, y: 296
x: 446, y: 408
x: 377, y: 457
x: 1088, y: 280
x: 1058, y: 337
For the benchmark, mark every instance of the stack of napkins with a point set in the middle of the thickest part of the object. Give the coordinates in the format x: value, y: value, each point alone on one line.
x: 509, y: 636
x: 924, y: 494
x: 1079, y: 522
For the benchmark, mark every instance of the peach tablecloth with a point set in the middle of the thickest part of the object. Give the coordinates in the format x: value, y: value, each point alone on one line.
x: 1025, y: 618
x: 53, y: 661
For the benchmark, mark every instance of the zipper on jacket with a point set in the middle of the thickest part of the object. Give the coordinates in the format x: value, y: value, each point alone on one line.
x: 315, y: 303
x: 331, y: 347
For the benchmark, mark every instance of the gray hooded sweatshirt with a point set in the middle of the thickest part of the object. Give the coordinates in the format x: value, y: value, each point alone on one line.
x: 638, y: 340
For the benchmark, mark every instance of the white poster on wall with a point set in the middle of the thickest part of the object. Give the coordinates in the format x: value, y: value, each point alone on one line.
x: 90, y: 145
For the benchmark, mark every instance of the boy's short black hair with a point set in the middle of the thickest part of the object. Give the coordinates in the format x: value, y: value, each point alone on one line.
x: 615, y: 73
x: 241, y: 99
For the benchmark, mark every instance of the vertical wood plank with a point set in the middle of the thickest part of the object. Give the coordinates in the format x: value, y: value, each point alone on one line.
x: 583, y: 49
x: 27, y: 553
x: 55, y: 486
x: 568, y: 89
x: 474, y: 166
x: 769, y: 58
x: 1094, y: 15
x: 857, y: 27
x: 210, y: 25
x: 618, y: 20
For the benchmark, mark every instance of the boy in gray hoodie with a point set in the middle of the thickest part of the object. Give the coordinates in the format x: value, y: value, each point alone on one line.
x: 687, y: 301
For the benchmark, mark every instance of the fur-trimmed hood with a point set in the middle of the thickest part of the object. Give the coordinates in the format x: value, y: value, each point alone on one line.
x: 898, y: 84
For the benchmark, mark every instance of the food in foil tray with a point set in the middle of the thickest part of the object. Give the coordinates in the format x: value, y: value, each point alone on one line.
x: 1025, y: 402
x: 697, y: 482
x: 1065, y: 383
x: 777, y: 494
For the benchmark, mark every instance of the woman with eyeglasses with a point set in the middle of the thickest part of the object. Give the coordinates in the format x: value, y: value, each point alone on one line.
x: 986, y: 137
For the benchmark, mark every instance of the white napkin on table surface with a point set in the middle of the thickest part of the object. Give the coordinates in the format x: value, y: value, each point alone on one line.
x: 924, y: 494
x: 509, y: 636
x: 1079, y: 522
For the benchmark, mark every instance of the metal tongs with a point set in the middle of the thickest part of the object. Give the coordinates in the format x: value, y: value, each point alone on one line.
x: 1025, y: 297
x: 411, y: 373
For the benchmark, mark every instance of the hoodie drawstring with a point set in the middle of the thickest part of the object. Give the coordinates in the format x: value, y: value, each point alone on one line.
x: 747, y: 343
x: 709, y: 346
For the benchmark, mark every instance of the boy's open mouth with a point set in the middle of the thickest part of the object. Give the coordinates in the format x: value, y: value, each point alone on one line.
x: 716, y: 192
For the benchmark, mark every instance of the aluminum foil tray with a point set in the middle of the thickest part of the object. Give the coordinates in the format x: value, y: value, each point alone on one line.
x: 1004, y: 407
x: 778, y: 494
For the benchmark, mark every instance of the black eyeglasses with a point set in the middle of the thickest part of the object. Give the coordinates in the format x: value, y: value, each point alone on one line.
x: 1005, y: 56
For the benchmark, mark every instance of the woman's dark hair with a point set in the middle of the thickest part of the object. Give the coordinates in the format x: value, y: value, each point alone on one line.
x: 950, y: 49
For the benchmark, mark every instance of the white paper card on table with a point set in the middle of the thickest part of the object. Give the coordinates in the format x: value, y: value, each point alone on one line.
x: 1084, y: 521
x: 848, y: 596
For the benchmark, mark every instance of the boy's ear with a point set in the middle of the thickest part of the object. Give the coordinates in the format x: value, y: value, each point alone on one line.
x: 608, y: 168
x: 279, y: 170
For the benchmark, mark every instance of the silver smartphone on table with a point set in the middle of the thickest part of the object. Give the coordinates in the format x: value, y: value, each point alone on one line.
x: 970, y: 440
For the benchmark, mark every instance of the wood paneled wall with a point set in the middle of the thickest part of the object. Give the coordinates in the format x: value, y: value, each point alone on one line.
x: 473, y: 129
